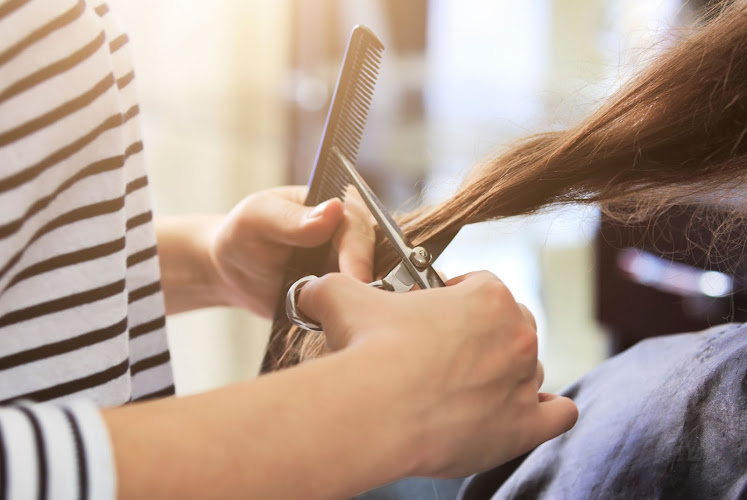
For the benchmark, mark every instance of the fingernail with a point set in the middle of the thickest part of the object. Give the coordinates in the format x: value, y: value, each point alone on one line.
x: 318, y: 210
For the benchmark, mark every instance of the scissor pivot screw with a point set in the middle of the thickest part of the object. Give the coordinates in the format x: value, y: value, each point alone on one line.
x: 420, y: 257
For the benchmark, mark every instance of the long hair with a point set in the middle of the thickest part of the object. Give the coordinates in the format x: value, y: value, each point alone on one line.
x: 676, y: 133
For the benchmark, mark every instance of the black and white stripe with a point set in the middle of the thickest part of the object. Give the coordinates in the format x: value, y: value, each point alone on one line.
x: 81, y: 307
x: 54, y: 451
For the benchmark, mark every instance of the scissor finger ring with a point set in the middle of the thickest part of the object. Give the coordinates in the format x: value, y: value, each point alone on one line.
x: 291, y: 308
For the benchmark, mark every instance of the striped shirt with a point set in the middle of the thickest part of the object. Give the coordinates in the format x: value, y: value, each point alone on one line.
x: 81, y: 308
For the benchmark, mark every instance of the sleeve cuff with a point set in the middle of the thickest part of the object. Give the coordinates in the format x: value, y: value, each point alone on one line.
x: 55, y: 450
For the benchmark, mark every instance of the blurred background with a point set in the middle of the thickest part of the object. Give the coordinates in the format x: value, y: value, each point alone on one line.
x: 235, y: 93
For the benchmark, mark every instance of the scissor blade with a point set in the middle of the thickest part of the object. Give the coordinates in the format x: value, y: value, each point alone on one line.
x: 437, y: 245
x: 385, y: 221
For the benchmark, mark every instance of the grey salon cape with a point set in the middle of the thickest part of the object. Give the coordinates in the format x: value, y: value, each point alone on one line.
x: 665, y: 419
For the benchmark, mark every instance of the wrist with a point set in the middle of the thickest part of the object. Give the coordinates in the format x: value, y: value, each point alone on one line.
x: 389, y: 384
x: 336, y: 417
x: 189, y: 276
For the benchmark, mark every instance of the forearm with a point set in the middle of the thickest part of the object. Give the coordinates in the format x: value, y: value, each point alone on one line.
x: 306, y: 432
x: 188, y: 276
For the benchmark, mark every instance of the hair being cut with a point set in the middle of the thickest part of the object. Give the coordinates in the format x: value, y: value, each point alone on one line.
x: 673, y: 135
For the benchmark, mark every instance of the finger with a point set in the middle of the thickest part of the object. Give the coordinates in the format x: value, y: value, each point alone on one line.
x: 540, y: 376
x: 546, y: 396
x: 528, y: 315
x: 440, y: 275
x: 332, y: 301
x: 295, y: 194
x: 355, y: 239
x: 287, y: 222
x: 555, y: 415
x: 475, y: 275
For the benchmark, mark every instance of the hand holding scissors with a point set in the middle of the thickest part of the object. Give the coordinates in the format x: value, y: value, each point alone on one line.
x: 414, y: 268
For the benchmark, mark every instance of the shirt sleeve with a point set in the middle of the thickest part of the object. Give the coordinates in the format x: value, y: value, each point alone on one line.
x: 55, y: 451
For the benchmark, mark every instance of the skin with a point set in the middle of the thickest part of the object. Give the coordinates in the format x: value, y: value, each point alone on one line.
x: 435, y: 383
x: 238, y: 259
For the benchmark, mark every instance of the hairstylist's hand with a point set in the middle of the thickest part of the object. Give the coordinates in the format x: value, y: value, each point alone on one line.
x: 254, y: 241
x: 460, y: 364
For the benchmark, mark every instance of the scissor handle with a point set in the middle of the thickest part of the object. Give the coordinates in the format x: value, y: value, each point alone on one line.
x: 299, y: 319
x: 291, y: 308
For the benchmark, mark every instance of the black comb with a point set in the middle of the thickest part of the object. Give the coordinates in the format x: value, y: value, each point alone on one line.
x: 346, y: 120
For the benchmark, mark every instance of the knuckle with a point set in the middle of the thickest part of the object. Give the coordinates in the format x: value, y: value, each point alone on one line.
x: 493, y: 293
x: 540, y: 373
x: 246, y: 212
x: 528, y: 315
x: 525, y: 343
x: 488, y: 300
x: 481, y: 278
x: 252, y: 201
x: 295, y: 193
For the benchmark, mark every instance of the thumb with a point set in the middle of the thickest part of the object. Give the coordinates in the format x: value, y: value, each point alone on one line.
x: 556, y: 415
x: 334, y: 301
x: 292, y: 224
x: 318, y: 223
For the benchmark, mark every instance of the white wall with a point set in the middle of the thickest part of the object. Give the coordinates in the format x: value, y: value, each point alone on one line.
x: 209, y: 77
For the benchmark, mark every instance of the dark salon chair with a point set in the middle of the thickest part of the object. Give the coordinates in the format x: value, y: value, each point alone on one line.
x: 669, y: 275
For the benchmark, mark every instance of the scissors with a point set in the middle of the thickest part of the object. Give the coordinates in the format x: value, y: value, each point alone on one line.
x: 415, y: 265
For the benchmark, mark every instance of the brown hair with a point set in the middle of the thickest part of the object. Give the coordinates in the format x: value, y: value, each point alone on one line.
x: 674, y: 134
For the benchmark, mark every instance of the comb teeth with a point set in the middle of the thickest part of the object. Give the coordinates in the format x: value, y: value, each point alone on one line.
x: 347, y: 115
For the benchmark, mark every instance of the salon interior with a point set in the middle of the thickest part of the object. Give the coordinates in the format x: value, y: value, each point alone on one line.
x: 234, y: 96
